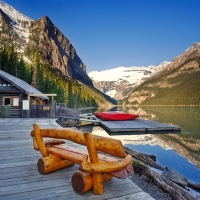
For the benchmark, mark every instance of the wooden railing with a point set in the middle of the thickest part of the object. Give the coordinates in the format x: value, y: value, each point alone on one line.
x: 63, y: 112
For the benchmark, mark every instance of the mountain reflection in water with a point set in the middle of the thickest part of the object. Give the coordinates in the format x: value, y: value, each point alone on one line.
x: 185, y: 156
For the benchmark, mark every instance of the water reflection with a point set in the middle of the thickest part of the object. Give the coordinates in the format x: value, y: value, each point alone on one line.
x: 178, y: 151
x: 187, y: 143
x: 185, y: 156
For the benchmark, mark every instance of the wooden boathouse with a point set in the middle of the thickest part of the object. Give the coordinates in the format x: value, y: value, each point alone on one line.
x: 16, y: 95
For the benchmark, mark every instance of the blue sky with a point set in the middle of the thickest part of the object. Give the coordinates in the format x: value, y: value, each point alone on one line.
x: 112, y: 33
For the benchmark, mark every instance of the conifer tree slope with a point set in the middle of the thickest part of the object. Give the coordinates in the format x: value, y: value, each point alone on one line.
x: 48, y: 80
x: 186, y: 92
x: 177, y: 84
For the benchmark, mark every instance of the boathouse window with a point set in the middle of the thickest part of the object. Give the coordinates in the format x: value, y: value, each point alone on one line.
x: 11, y: 101
x: 15, y: 101
x: 6, y: 101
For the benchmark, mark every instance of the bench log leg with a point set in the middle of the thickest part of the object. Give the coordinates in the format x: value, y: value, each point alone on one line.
x: 40, y: 141
x: 97, y: 177
x: 52, y: 163
x: 35, y: 144
x: 82, y: 182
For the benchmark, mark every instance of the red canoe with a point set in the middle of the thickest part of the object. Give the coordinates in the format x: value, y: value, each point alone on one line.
x: 115, y: 116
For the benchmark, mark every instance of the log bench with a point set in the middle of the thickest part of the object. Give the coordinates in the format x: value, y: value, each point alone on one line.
x: 95, y: 168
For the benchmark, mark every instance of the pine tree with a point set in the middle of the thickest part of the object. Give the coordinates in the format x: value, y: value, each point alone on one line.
x: 36, y: 70
x: 70, y: 94
x: 4, y: 60
x: 12, y: 62
x: 21, y: 69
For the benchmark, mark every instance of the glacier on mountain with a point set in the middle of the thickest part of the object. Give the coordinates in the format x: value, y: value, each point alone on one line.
x: 114, y: 82
x: 19, y: 22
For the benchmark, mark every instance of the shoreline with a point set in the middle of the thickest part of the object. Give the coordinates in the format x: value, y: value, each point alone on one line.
x: 141, y: 179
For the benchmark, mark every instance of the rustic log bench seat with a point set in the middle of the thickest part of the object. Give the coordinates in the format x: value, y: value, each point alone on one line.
x: 95, y: 168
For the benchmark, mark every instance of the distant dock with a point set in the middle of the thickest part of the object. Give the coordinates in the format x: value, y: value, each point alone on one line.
x: 135, y: 126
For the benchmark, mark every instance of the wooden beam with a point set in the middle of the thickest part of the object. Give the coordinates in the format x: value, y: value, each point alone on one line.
x: 40, y: 95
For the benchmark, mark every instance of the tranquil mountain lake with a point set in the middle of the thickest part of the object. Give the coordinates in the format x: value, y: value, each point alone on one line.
x: 180, y: 152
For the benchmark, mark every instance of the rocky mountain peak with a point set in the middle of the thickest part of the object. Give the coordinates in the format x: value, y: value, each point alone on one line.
x: 196, y: 45
x: 46, y: 21
x: 55, y: 49
x: 18, y: 19
x: 15, y: 15
x: 4, y: 18
x: 189, y: 57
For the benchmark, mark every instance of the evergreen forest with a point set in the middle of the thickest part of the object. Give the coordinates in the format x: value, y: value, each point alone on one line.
x: 46, y: 78
x: 185, y: 91
x: 169, y: 89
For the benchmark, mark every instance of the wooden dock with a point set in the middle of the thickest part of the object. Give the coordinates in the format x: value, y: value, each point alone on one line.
x: 133, y: 127
x: 20, y: 179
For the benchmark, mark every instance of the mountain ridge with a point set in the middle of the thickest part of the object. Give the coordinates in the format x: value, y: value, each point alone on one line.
x: 177, y: 84
x: 117, y: 82
x: 54, y: 47
x: 147, y: 85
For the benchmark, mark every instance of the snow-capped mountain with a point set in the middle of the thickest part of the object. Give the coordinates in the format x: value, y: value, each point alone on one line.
x: 19, y: 22
x: 118, y: 81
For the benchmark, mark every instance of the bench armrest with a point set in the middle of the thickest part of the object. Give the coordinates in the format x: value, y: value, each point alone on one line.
x: 103, y: 167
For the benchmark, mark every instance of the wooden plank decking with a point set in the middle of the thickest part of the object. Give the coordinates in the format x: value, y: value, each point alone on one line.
x: 20, y: 179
